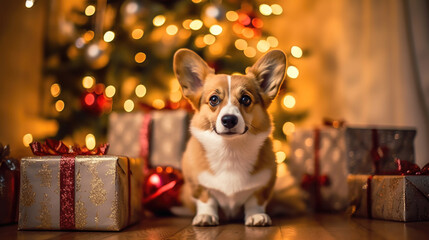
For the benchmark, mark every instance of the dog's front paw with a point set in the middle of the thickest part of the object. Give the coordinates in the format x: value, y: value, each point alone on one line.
x: 205, y: 220
x: 259, y: 219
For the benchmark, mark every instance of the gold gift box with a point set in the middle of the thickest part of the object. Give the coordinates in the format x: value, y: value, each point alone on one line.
x: 393, y: 197
x: 102, y: 198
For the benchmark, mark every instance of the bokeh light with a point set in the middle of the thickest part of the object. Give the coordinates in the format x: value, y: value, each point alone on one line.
x: 140, y: 57
x: 140, y: 90
x: 110, y: 91
x: 292, y: 72
x: 90, y: 141
x: 27, y: 139
x: 129, y: 105
x: 88, y: 82
x: 59, y: 105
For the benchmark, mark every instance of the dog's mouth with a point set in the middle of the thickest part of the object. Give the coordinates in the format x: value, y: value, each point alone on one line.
x: 230, y: 132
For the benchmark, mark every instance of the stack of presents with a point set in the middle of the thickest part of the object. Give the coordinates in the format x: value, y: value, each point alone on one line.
x: 370, y: 172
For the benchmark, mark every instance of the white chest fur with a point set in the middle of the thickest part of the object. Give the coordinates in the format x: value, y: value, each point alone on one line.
x: 232, y: 160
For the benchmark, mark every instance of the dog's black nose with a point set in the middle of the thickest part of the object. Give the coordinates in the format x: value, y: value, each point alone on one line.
x: 229, y: 121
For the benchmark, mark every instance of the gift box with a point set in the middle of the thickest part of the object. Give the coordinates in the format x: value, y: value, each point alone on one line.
x: 9, y: 186
x: 79, y: 192
x: 323, y: 157
x: 398, y: 198
x: 318, y: 162
x: 373, y: 150
x: 159, y: 136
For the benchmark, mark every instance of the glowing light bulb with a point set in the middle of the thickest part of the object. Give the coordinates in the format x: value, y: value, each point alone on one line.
x: 232, y: 16
x: 265, y: 9
x: 277, y: 9
x: 140, y: 90
x: 129, y: 105
x: 280, y: 157
x: 55, y: 90
x: 89, y: 10
x: 29, y: 4
x: 88, y: 82
x: 158, y: 20
x: 59, y: 105
x: 292, y: 72
x: 137, y: 33
x: 296, y: 51
x: 172, y: 30
x: 27, y: 139
x: 288, y: 128
x: 196, y: 24
x: 209, y: 39
x: 109, y: 36
x: 289, y: 101
x: 110, y: 91
x: 158, y: 104
x: 215, y: 29
x: 90, y: 141
x: 240, y: 44
x: 263, y: 46
x: 140, y: 57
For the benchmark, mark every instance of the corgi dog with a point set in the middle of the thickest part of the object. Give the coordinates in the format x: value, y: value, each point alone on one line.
x: 229, y: 165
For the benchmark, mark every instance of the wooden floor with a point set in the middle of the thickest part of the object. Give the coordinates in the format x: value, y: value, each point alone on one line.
x: 319, y: 227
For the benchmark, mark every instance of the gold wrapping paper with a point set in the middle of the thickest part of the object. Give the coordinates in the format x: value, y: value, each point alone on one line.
x: 398, y: 198
x: 101, y: 192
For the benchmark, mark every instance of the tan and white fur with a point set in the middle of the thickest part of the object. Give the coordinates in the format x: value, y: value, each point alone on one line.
x: 229, y: 165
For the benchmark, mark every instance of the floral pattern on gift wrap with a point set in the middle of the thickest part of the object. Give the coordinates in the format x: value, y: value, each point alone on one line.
x: 97, y: 193
x: 45, y: 174
x: 80, y: 215
x: 44, y: 213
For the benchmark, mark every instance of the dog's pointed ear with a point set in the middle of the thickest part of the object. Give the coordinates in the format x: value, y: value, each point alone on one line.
x: 191, y: 71
x: 269, y: 72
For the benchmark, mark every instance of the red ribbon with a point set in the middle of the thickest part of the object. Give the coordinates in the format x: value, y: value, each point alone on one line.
x: 316, y: 180
x: 67, y: 174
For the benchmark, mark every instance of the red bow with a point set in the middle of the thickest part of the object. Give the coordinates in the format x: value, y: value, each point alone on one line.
x: 55, y: 147
x: 409, y: 168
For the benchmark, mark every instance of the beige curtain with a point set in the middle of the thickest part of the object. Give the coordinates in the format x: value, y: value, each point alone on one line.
x: 366, y: 62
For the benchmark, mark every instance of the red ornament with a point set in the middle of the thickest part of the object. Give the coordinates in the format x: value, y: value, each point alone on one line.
x: 161, y: 189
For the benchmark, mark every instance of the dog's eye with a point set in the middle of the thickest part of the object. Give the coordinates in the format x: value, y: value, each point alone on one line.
x: 245, y: 100
x: 214, y: 100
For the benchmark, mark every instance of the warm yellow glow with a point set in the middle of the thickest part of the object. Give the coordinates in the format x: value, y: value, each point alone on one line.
x: 187, y: 24
x: 288, y: 128
x: 90, y: 141
x: 59, y: 105
x: 196, y: 1
x: 174, y: 85
x: 199, y: 42
x: 277, y: 9
x: 110, y: 91
x: 29, y: 3
x: 265, y: 9
x: 289, y: 101
x: 240, y: 44
x: 140, y: 57
x: 128, y: 105
x: 250, y: 52
x: 55, y: 90
x: 176, y: 96
x: 109, y: 36
x: 158, y: 104
x: 88, y: 36
x: 232, y: 16
x: 196, y: 24
x: 248, y: 33
x: 292, y: 72
x: 90, y: 10
x: 263, y: 46
x: 273, y: 41
x: 158, y: 20
x: 280, y: 156
x: 277, y: 145
x: 216, y: 29
x: 209, y: 39
x: 88, y: 82
x: 137, y: 33
x: 140, y: 90
x: 27, y: 139
x: 216, y: 49
x: 296, y: 51
x: 172, y: 30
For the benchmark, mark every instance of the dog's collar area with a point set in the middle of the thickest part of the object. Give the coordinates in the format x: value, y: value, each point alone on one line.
x: 231, y: 133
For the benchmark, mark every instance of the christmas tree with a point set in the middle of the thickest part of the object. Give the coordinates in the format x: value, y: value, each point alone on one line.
x: 103, y: 56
